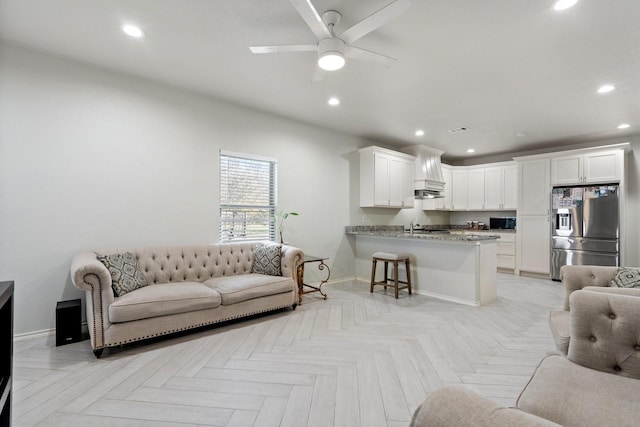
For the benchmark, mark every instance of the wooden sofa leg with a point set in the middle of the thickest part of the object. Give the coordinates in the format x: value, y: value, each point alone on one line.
x: 98, y: 352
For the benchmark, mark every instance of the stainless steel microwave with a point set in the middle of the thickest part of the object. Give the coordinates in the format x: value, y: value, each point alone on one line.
x: 502, y: 223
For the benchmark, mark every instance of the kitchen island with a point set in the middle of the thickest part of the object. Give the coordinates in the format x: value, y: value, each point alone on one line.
x: 454, y: 267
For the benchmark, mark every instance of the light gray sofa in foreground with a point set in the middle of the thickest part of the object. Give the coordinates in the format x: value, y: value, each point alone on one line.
x: 597, y: 384
x: 576, y: 277
x: 188, y: 287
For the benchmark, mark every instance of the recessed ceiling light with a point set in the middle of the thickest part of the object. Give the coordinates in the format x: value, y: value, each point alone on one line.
x: 419, y: 132
x: 333, y: 101
x: 470, y: 150
x: 606, y: 88
x: 564, y: 4
x: 133, y: 31
x: 520, y: 134
x: 624, y: 126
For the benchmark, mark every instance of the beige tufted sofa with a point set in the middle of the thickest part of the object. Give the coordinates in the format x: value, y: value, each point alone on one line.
x: 575, y: 277
x: 189, y: 287
x: 597, y: 384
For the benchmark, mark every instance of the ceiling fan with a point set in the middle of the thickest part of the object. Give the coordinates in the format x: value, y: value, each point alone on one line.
x: 332, y: 49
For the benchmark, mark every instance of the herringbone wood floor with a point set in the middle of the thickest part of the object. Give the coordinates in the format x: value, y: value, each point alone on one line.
x: 356, y: 359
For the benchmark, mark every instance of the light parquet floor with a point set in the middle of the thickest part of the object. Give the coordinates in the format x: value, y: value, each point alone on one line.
x: 356, y: 359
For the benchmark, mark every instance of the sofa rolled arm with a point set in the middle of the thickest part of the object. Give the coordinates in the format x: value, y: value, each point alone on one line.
x: 458, y: 407
x: 90, y: 275
x: 87, y: 271
x: 291, y: 258
x: 605, y: 332
x: 576, y: 277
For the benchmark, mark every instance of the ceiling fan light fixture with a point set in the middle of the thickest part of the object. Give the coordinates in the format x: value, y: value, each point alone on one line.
x: 330, y: 56
x: 564, y: 4
x: 331, y: 61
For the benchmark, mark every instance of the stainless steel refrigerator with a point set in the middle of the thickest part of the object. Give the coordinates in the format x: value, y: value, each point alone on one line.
x: 585, y: 227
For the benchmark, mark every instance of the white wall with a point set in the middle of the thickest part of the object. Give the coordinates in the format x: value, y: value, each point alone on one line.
x: 92, y: 159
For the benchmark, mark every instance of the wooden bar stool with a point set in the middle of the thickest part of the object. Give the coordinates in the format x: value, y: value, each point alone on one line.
x: 395, y: 259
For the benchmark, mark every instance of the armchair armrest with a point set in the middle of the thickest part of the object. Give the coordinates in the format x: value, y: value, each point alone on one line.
x: 605, y: 332
x: 459, y: 407
x: 576, y: 277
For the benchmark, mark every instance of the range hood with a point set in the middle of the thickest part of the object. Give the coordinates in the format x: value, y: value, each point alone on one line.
x: 429, y: 181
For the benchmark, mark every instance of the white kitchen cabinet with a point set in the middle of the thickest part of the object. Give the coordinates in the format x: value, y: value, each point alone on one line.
x: 534, y: 197
x: 506, y: 251
x: 533, y: 251
x: 500, y: 183
x: 441, y: 203
x: 510, y: 187
x: 475, y: 197
x: 459, y: 189
x: 386, y: 178
x: 597, y: 167
x: 401, y: 194
x: 534, y: 188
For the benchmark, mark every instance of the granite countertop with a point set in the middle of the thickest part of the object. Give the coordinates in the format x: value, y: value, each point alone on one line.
x: 398, y: 231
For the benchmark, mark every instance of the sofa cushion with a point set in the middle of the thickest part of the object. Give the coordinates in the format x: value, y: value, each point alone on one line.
x: 163, y: 299
x: 573, y: 395
x: 126, y: 275
x: 560, y: 325
x: 266, y: 260
x: 243, y: 287
x: 626, y: 278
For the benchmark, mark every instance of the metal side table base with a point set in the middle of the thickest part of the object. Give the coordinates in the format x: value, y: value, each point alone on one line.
x: 301, y: 285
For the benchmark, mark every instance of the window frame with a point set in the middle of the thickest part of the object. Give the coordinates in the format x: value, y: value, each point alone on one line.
x: 228, y: 225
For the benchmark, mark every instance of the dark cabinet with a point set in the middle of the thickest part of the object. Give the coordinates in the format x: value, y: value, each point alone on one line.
x: 6, y: 351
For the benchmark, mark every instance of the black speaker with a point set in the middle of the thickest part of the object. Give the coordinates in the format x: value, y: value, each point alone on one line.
x: 68, y: 322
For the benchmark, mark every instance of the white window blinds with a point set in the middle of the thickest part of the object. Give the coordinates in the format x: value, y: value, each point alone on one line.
x: 247, y: 197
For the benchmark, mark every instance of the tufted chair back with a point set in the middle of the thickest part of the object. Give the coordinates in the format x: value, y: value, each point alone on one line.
x: 605, y: 332
x: 576, y: 277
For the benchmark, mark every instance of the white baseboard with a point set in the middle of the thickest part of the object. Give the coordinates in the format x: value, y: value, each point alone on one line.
x: 34, y: 334
x: 42, y: 333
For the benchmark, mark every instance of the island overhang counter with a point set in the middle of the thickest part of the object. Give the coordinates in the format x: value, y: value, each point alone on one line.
x: 457, y: 268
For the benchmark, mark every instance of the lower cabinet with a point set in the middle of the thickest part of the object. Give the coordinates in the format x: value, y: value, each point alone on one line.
x: 533, y: 244
x: 506, y: 251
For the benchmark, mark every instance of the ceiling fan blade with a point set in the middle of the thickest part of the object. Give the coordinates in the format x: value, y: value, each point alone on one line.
x: 318, y: 74
x: 368, y: 56
x: 375, y: 20
x: 284, y: 48
x: 312, y: 18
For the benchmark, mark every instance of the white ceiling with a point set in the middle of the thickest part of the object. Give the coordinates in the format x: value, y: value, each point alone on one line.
x: 498, y: 67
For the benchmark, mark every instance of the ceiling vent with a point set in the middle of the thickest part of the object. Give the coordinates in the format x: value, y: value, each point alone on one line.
x: 460, y: 129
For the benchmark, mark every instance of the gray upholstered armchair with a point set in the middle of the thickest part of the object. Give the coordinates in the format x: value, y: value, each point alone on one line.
x: 597, y: 384
x: 576, y: 277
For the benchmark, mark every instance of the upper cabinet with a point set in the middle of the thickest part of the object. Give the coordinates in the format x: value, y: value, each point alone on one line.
x: 598, y: 167
x: 459, y: 189
x: 500, y: 187
x: 534, y: 189
x: 386, y: 178
x: 475, y: 198
x: 477, y: 188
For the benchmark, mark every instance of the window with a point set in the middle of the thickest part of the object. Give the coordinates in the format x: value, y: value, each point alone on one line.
x: 247, y: 197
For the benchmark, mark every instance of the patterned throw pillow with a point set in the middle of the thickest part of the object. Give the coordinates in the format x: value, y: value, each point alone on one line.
x: 126, y: 275
x: 266, y: 260
x: 626, y: 278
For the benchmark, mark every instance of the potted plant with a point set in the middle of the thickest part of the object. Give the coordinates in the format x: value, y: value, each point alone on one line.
x: 279, y: 218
